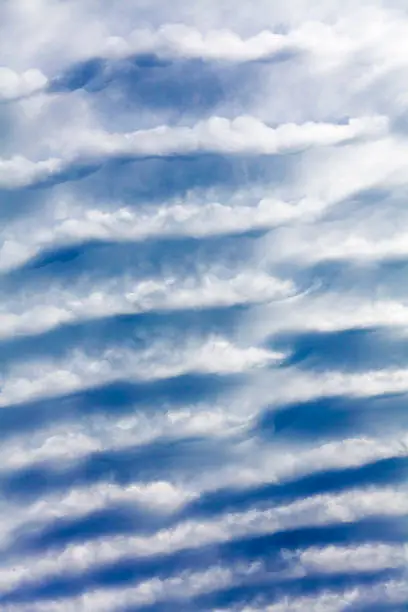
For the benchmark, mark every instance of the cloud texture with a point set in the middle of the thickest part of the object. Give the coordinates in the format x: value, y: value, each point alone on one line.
x: 203, y: 306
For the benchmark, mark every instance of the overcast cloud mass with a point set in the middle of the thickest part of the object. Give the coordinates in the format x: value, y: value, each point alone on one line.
x: 203, y: 306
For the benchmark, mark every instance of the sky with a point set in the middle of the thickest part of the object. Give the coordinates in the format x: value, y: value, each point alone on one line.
x: 203, y: 306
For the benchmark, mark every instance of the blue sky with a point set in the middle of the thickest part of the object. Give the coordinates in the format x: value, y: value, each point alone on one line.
x: 203, y: 306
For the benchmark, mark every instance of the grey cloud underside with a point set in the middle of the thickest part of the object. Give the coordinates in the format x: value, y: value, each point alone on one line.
x: 203, y: 307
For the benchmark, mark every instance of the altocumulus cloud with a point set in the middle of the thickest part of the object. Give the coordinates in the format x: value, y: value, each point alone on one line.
x: 203, y: 306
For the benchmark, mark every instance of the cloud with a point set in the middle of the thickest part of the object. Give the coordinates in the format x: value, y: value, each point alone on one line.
x: 315, y: 511
x: 13, y: 85
x: 20, y: 172
x: 390, y: 592
x: 363, y: 558
x: 214, y: 289
x: 216, y: 135
x: 178, y: 588
x: 179, y: 40
x: 82, y: 369
x: 78, y: 371
x: 162, y: 500
x: 63, y: 222
x: 158, y: 499
x: 332, y: 312
x: 188, y: 277
x: 76, y: 440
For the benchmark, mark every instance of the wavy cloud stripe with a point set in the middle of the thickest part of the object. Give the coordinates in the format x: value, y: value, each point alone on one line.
x: 203, y: 306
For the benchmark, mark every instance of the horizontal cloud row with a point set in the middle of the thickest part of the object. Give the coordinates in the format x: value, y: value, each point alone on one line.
x: 216, y: 355
x: 337, y: 42
x: 42, y: 312
x: 173, y: 41
x: 62, y: 224
x: 244, y: 134
x: 385, y: 593
x: 82, y: 369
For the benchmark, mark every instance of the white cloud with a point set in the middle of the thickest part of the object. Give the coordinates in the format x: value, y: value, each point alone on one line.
x: 166, y: 496
x: 26, y: 381
x: 328, y: 242
x: 290, y: 462
x: 13, y: 85
x: 192, y: 584
x: 352, y: 169
x: 366, y: 384
x: 64, y: 223
x: 20, y: 172
x: 246, y: 470
x: 318, y: 510
x: 48, y: 309
x: 178, y: 40
x: 73, y: 441
x: 181, y: 587
x: 175, y: 40
x: 367, y: 558
x: 343, y: 85
x: 79, y: 370
x: 331, y: 311
x: 291, y: 385
x: 337, y: 39
x: 106, y: 34
x: 243, y: 134
x: 157, y: 498
x: 382, y: 592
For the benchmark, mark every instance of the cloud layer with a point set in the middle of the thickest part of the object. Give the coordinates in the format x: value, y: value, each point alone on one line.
x: 203, y: 306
